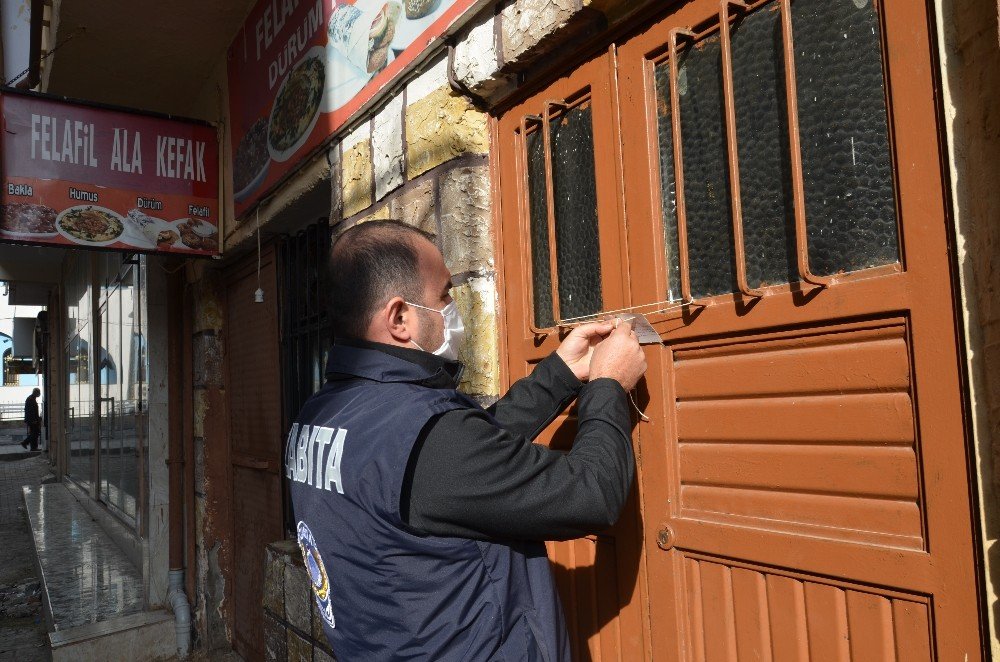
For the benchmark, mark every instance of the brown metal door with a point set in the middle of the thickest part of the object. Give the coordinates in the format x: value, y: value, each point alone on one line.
x: 804, y: 476
x: 254, y: 388
x: 803, y: 480
x: 598, y: 576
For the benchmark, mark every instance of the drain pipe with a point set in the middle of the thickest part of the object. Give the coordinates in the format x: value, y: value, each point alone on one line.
x: 175, y: 464
x: 182, y: 613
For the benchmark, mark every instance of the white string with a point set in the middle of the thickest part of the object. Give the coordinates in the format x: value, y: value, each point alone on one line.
x: 641, y: 414
x: 258, y: 247
x: 586, y: 319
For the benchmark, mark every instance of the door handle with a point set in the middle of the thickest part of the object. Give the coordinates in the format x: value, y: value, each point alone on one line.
x: 666, y: 538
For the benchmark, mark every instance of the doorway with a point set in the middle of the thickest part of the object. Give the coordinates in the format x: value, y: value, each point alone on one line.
x: 735, y: 172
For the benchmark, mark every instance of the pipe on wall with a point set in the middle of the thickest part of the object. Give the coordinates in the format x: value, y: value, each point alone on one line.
x: 34, y: 47
x: 179, y: 603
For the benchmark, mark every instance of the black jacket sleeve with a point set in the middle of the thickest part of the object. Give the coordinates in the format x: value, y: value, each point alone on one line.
x: 469, y: 478
x: 533, y: 402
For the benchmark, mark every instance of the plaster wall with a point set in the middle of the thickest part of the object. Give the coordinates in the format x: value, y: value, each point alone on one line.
x: 969, y: 43
x: 155, y: 564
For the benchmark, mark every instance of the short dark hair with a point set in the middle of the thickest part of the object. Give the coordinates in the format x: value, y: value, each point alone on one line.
x: 370, y: 263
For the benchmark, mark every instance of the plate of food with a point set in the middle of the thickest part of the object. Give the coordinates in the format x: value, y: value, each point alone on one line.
x: 250, y: 165
x: 343, y: 81
x: 90, y: 224
x: 296, y: 105
x: 418, y: 15
x: 363, y: 32
x: 197, y: 234
x: 22, y: 220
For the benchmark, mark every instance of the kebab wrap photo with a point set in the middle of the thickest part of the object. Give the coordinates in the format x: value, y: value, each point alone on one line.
x: 363, y: 31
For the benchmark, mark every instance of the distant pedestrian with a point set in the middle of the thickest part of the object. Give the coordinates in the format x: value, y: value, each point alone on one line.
x: 33, y: 420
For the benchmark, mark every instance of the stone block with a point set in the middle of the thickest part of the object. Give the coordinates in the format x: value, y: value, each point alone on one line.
x: 466, y: 240
x: 380, y: 214
x: 206, y: 351
x: 199, y: 408
x: 416, y: 206
x: 317, y: 625
x: 336, y: 185
x: 356, y: 178
x: 440, y: 127
x: 199, y: 465
x: 274, y: 582
x: 298, y: 597
x: 525, y: 24
x: 476, y: 300
x: 320, y: 655
x: 300, y: 649
x: 477, y: 59
x: 208, y: 303
x: 275, y: 640
x: 430, y: 79
x: 387, y: 147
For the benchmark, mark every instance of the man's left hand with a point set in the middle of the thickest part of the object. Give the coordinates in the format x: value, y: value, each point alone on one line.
x: 577, y: 348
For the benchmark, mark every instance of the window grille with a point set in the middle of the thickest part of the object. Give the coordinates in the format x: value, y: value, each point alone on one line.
x: 774, y: 148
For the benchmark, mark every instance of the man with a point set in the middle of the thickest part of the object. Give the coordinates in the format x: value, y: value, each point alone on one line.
x: 33, y: 420
x: 420, y: 514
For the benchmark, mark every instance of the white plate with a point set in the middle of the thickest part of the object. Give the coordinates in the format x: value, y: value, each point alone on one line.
x: 284, y: 155
x: 28, y: 236
x: 84, y: 242
x: 176, y: 227
x: 343, y: 80
x: 407, y: 30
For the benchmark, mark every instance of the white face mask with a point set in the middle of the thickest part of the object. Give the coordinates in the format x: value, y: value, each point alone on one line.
x: 454, y: 331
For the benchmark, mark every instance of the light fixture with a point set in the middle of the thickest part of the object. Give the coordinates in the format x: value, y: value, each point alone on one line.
x: 258, y: 295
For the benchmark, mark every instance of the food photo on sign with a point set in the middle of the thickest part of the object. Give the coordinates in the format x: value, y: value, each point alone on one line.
x: 79, y: 174
x: 297, y: 70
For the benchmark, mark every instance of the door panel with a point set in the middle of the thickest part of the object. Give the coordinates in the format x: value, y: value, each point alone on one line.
x: 803, y: 476
x: 807, y: 449
x: 598, y: 576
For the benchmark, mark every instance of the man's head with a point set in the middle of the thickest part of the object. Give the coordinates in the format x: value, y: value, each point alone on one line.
x: 35, y: 392
x: 377, y: 270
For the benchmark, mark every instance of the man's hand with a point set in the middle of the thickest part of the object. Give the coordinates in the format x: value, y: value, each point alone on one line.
x: 619, y: 357
x: 577, y: 348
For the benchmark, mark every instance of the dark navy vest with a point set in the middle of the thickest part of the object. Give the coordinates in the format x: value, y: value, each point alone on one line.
x: 384, y: 591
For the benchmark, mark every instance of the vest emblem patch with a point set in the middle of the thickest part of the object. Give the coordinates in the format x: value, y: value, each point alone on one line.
x: 317, y: 573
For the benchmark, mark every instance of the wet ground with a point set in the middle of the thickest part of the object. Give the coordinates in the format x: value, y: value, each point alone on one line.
x: 23, y: 634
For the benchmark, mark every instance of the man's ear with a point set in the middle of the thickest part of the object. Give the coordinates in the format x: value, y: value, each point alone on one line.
x: 398, y: 319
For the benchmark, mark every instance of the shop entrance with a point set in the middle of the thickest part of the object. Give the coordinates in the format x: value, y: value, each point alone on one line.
x: 253, y: 385
x: 764, y: 177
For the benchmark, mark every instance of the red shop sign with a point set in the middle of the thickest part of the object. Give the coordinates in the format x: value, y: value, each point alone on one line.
x: 299, y: 69
x: 76, y: 174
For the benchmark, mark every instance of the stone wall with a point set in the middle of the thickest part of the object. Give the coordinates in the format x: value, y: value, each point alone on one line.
x: 212, y: 508
x: 969, y: 35
x: 422, y: 158
x: 293, y: 628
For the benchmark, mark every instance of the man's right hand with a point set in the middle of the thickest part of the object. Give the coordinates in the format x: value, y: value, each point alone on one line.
x: 619, y: 357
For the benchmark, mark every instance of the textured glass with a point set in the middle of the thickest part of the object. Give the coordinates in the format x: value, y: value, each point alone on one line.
x: 762, y: 138
x: 574, y: 181
x: 706, y: 178
x: 541, y: 280
x: 850, y: 197
x: 668, y: 188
